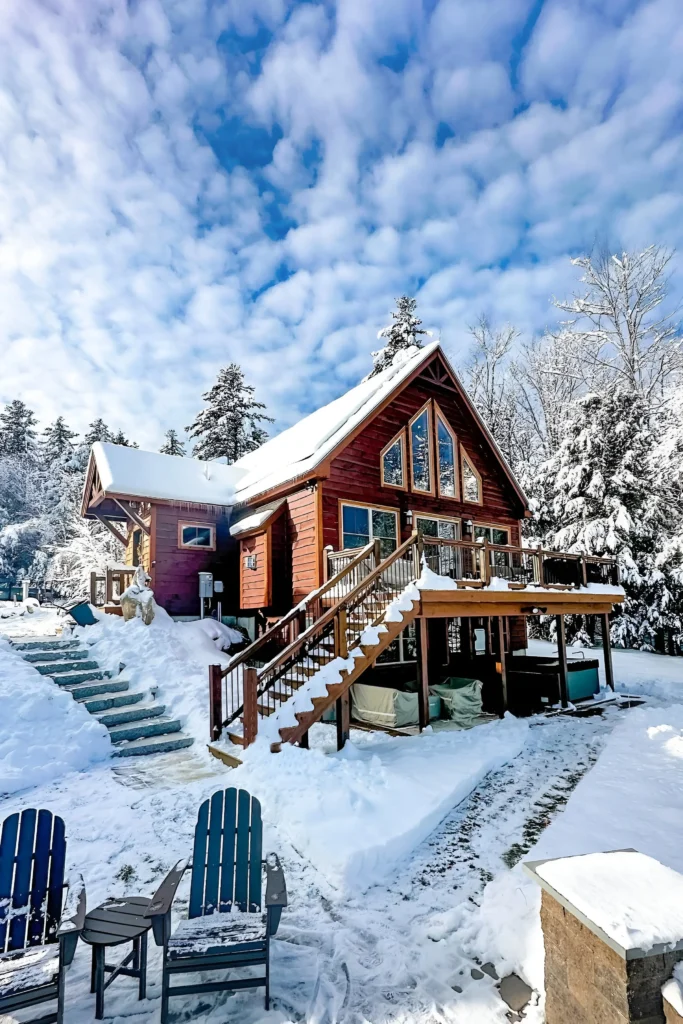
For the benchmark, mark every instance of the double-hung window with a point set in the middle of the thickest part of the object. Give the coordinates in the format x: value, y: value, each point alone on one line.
x: 361, y: 524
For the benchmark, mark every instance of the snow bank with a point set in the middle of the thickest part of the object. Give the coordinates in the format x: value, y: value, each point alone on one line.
x: 636, y: 900
x: 44, y: 733
x: 632, y: 798
x: 358, y: 813
x: 169, y: 658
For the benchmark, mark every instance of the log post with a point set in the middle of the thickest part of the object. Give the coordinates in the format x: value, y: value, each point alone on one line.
x: 215, y: 701
x: 109, y: 583
x: 423, y: 671
x: 341, y: 648
x: 607, y: 652
x: 93, y: 588
x: 249, y: 700
x: 584, y: 572
x: 503, y: 667
x: 343, y: 716
x: 562, y: 659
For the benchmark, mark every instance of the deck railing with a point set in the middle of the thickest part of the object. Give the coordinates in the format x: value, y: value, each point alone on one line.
x: 107, y: 587
x: 331, y: 621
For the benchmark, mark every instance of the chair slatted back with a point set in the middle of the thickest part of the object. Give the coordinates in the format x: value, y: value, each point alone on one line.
x: 32, y: 862
x: 228, y: 850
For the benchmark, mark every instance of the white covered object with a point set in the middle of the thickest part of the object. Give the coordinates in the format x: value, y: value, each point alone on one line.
x: 634, y: 899
x: 384, y: 706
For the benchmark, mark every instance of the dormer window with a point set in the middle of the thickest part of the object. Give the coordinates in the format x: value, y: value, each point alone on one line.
x: 421, y: 451
x: 471, y: 480
x: 394, y: 463
x: 446, y: 449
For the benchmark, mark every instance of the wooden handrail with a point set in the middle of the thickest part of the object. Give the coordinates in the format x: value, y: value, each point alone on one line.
x: 329, y: 615
x: 256, y: 645
x: 482, y: 545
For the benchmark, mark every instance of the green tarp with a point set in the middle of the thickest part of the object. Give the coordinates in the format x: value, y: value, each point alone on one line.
x: 462, y: 700
x: 381, y: 705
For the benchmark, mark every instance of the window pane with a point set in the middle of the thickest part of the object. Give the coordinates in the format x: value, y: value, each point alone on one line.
x: 447, y: 530
x: 384, y: 527
x: 390, y: 655
x: 419, y: 441
x: 355, y: 526
x: 446, y: 460
x: 393, y: 465
x: 470, y: 482
x: 482, y: 531
x: 409, y: 640
x: 500, y: 536
x: 197, y: 536
x: 428, y: 527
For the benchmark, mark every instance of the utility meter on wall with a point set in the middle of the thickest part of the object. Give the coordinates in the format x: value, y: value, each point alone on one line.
x: 206, y: 584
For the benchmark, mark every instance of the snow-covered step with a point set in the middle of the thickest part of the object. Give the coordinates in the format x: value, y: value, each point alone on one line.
x: 109, y: 698
x: 61, y: 667
x: 81, y: 690
x: 139, y: 712
x: 72, y: 654
x: 46, y: 644
x: 139, y: 730
x: 153, y: 745
x: 73, y: 678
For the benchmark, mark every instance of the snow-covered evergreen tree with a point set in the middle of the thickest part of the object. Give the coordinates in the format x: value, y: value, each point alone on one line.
x: 172, y: 444
x: 229, y: 426
x: 120, y: 438
x: 57, y: 441
x: 404, y: 332
x: 97, y: 431
x: 17, y: 429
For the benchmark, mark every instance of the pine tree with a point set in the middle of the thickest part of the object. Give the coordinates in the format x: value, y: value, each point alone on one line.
x: 229, y: 426
x: 57, y: 441
x: 403, y: 333
x: 172, y: 445
x: 120, y: 438
x: 17, y: 433
x: 97, y: 431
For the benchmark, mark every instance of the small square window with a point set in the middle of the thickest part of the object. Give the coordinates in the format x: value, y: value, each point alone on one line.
x: 196, y: 535
x: 250, y: 562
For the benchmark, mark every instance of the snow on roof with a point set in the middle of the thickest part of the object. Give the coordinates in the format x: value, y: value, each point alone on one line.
x: 299, y: 449
x: 257, y: 519
x: 140, y: 474
x: 634, y: 899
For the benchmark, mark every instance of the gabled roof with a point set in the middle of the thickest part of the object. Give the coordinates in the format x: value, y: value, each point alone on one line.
x: 295, y: 454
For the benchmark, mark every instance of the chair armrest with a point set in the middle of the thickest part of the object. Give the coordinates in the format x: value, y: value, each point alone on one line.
x: 72, y: 921
x: 276, y: 892
x: 159, y: 909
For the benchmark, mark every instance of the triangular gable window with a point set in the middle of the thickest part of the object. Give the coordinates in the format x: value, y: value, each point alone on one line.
x: 471, y: 480
x: 446, y: 447
x: 393, y: 462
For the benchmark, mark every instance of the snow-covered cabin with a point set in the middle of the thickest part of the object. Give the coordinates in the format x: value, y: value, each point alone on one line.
x: 403, y: 451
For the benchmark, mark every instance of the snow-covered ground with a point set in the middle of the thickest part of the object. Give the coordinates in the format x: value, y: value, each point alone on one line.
x: 409, y: 947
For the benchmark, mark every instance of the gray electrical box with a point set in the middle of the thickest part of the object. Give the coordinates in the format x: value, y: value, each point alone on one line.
x: 218, y: 586
x: 206, y: 584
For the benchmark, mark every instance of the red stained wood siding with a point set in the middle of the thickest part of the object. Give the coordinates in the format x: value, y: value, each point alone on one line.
x: 255, y: 587
x: 304, y: 542
x: 355, y: 472
x: 174, y: 570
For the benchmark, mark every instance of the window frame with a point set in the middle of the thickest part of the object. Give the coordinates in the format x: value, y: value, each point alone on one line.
x: 465, y: 459
x: 183, y: 523
x: 400, y: 437
x: 491, y: 526
x: 439, y: 415
x: 370, y: 508
x: 447, y: 519
x: 427, y: 407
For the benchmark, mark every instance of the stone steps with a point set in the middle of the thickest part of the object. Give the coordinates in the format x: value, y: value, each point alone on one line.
x: 137, y: 725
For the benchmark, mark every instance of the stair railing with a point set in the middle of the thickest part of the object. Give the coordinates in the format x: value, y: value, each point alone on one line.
x: 227, y: 686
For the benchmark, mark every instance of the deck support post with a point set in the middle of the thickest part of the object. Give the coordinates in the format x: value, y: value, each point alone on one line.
x: 215, y: 701
x: 343, y: 716
x: 503, y: 667
x: 562, y: 659
x: 93, y: 589
x: 249, y: 702
x: 303, y: 742
x: 423, y: 671
x: 607, y: 652
x: 109, y: 586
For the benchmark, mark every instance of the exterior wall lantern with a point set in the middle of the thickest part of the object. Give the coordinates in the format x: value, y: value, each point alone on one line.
x: 409, y: 517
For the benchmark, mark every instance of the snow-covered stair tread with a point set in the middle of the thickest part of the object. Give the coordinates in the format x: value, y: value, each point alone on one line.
x: 71, y: 654
x: 80, y: 691
x: 139, y: 730
x: 117, y: 715
x: 46, y: 643
x: 153, y: 745
x: 107, y: 699
x: 60, y: 667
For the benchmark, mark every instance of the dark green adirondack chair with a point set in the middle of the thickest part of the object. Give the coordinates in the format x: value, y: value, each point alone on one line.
x: 39, y: 929
x: 229, y: 924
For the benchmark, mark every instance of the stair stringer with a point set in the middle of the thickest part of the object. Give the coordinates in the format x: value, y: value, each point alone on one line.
x: 363, y: 661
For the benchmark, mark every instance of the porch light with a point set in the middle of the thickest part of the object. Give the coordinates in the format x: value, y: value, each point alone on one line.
x: 409, y: 517
x: 469, y: 525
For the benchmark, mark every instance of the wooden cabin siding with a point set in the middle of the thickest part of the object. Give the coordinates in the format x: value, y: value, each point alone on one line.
x: 355, y: 473
x: 146, y: 542
x: 255, y: 588
x: 304, y: 542
x: 174, y: 573
x: 281, y: 567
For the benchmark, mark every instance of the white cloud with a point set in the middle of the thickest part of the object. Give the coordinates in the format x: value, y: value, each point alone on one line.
x: 137, y: 256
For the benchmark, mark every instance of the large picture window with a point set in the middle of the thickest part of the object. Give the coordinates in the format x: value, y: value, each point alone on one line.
x: 471, y: 481
x: 421, y: 451
x: 394, y: 463
x: 197, y: 535
x: 446, y: 448
x: 361, y: 524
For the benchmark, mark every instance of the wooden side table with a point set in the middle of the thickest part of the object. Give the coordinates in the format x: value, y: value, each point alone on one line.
x: 111, y: 924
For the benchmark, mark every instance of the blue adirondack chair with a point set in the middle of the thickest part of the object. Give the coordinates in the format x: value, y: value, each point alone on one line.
x: 226, y: 927
x: 39, y: 929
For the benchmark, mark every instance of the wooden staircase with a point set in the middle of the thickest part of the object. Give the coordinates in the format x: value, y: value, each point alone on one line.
x: 332, y: 624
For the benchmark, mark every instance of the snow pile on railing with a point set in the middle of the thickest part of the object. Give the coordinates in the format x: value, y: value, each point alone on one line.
x: 358, y: 813
x: 44, y: 732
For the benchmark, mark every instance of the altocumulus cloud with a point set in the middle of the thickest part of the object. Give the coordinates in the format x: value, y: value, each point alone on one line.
x: 188, y: 182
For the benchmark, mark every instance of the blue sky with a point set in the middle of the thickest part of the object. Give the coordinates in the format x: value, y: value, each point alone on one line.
x: 184, y: 183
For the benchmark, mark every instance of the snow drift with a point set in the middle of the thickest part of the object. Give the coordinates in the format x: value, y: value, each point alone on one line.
x: 44, y: 732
